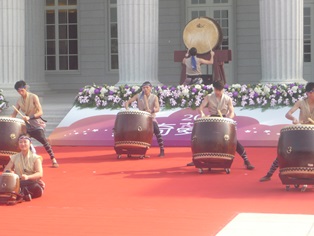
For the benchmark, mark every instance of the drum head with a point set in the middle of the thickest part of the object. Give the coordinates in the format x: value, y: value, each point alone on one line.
x: 202, y: 33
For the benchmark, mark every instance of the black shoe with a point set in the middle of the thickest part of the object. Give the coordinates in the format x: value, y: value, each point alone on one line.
x: 54, y: 163
x: 162, y: 153
x: 265, y: 178
x: 248, y: 165
x: 27, y: 197
x: 190, y: 164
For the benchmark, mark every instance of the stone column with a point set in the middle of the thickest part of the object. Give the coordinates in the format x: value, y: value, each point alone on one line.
x: 281, y: 24
x: 138, y: 41
x: 35, y: 45
x: 12, y: 46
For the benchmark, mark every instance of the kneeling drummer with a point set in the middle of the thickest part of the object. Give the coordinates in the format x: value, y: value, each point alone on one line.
x: 146, y: 101
x: 306, y: 116
x: 218, y: 102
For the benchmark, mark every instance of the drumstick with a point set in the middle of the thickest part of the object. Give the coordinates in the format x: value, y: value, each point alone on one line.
x: 219, y: 112
x: 310, y: 120
x: 19, y: 112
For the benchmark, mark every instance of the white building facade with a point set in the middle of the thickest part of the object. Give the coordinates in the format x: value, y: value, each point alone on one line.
x: 66, y: 44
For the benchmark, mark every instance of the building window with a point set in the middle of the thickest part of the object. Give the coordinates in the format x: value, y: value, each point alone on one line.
x: 206, y: 2
x: 219, y: 10
x: 222, y: 18
x: 113, y: 42
x: 220, y: 1
x: 307, y: 34
x: 61, y: 36
x: 198, y: 13
x: 197, y: 2
x: 222, y: 12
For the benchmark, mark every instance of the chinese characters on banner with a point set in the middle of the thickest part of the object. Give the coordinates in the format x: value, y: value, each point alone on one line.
x: 95, y: 127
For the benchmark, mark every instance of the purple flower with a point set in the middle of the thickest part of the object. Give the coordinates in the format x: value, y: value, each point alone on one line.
x: 81, y: 89
x: 194, y: 90
x: 97, y: 91
x: 126, y: 86
x: 274, y: 87
x: 132, y: 90
x: 278, y: 93
x: 235, y: 94
x: 255, y: 94
x: 173, y: 89
x: 164, y: 87
x: 226, y: 86
x: 111, y: 92
x: 300, y: 86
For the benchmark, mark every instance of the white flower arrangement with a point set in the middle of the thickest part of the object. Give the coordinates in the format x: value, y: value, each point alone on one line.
x: 3, y: 102
x: 246, y: 95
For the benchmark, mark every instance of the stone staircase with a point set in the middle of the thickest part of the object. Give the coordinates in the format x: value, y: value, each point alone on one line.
x: 56, y: 106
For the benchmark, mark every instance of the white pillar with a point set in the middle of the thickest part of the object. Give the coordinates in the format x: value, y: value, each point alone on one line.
x: 281, y: 24
x: 12, y: 38
x: 138, y: 41
x: 35, y: 44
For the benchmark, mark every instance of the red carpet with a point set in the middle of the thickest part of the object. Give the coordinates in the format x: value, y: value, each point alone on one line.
x: 94, y: 193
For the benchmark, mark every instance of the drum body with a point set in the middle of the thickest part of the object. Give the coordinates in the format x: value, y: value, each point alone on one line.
x: 296, y: 151
x: 9, y: 183
x: 11, y: 129
x: 203, y: 33
x: 133, y: 132
x: 213, y: 142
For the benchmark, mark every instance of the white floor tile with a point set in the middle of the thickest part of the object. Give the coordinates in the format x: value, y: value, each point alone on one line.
x: 261, y: 224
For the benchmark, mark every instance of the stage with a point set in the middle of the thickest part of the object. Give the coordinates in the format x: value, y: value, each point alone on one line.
x: 94, y: 127
x: 94, y: 193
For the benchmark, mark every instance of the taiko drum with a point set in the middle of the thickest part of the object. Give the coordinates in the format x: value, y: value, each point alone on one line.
x: 213, y: 142
x: 296, y: 151
x: 11, y: 129
x: 133, y: 132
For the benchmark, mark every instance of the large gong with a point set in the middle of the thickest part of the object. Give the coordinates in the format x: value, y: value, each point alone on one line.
x: 203, y: 33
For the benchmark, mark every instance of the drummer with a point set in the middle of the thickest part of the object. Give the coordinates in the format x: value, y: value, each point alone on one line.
x: 146, y: 101
x: 28, y: 166
x: 219, y: 102
x: 193, y: 66
x: 306, y: 107
x: 30, y: 105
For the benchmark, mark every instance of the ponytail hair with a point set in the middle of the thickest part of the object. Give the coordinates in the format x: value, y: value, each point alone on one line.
x: 193, y: 61
x: 193, y: 52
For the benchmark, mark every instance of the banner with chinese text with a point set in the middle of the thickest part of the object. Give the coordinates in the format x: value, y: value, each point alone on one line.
x: 93, y: 127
